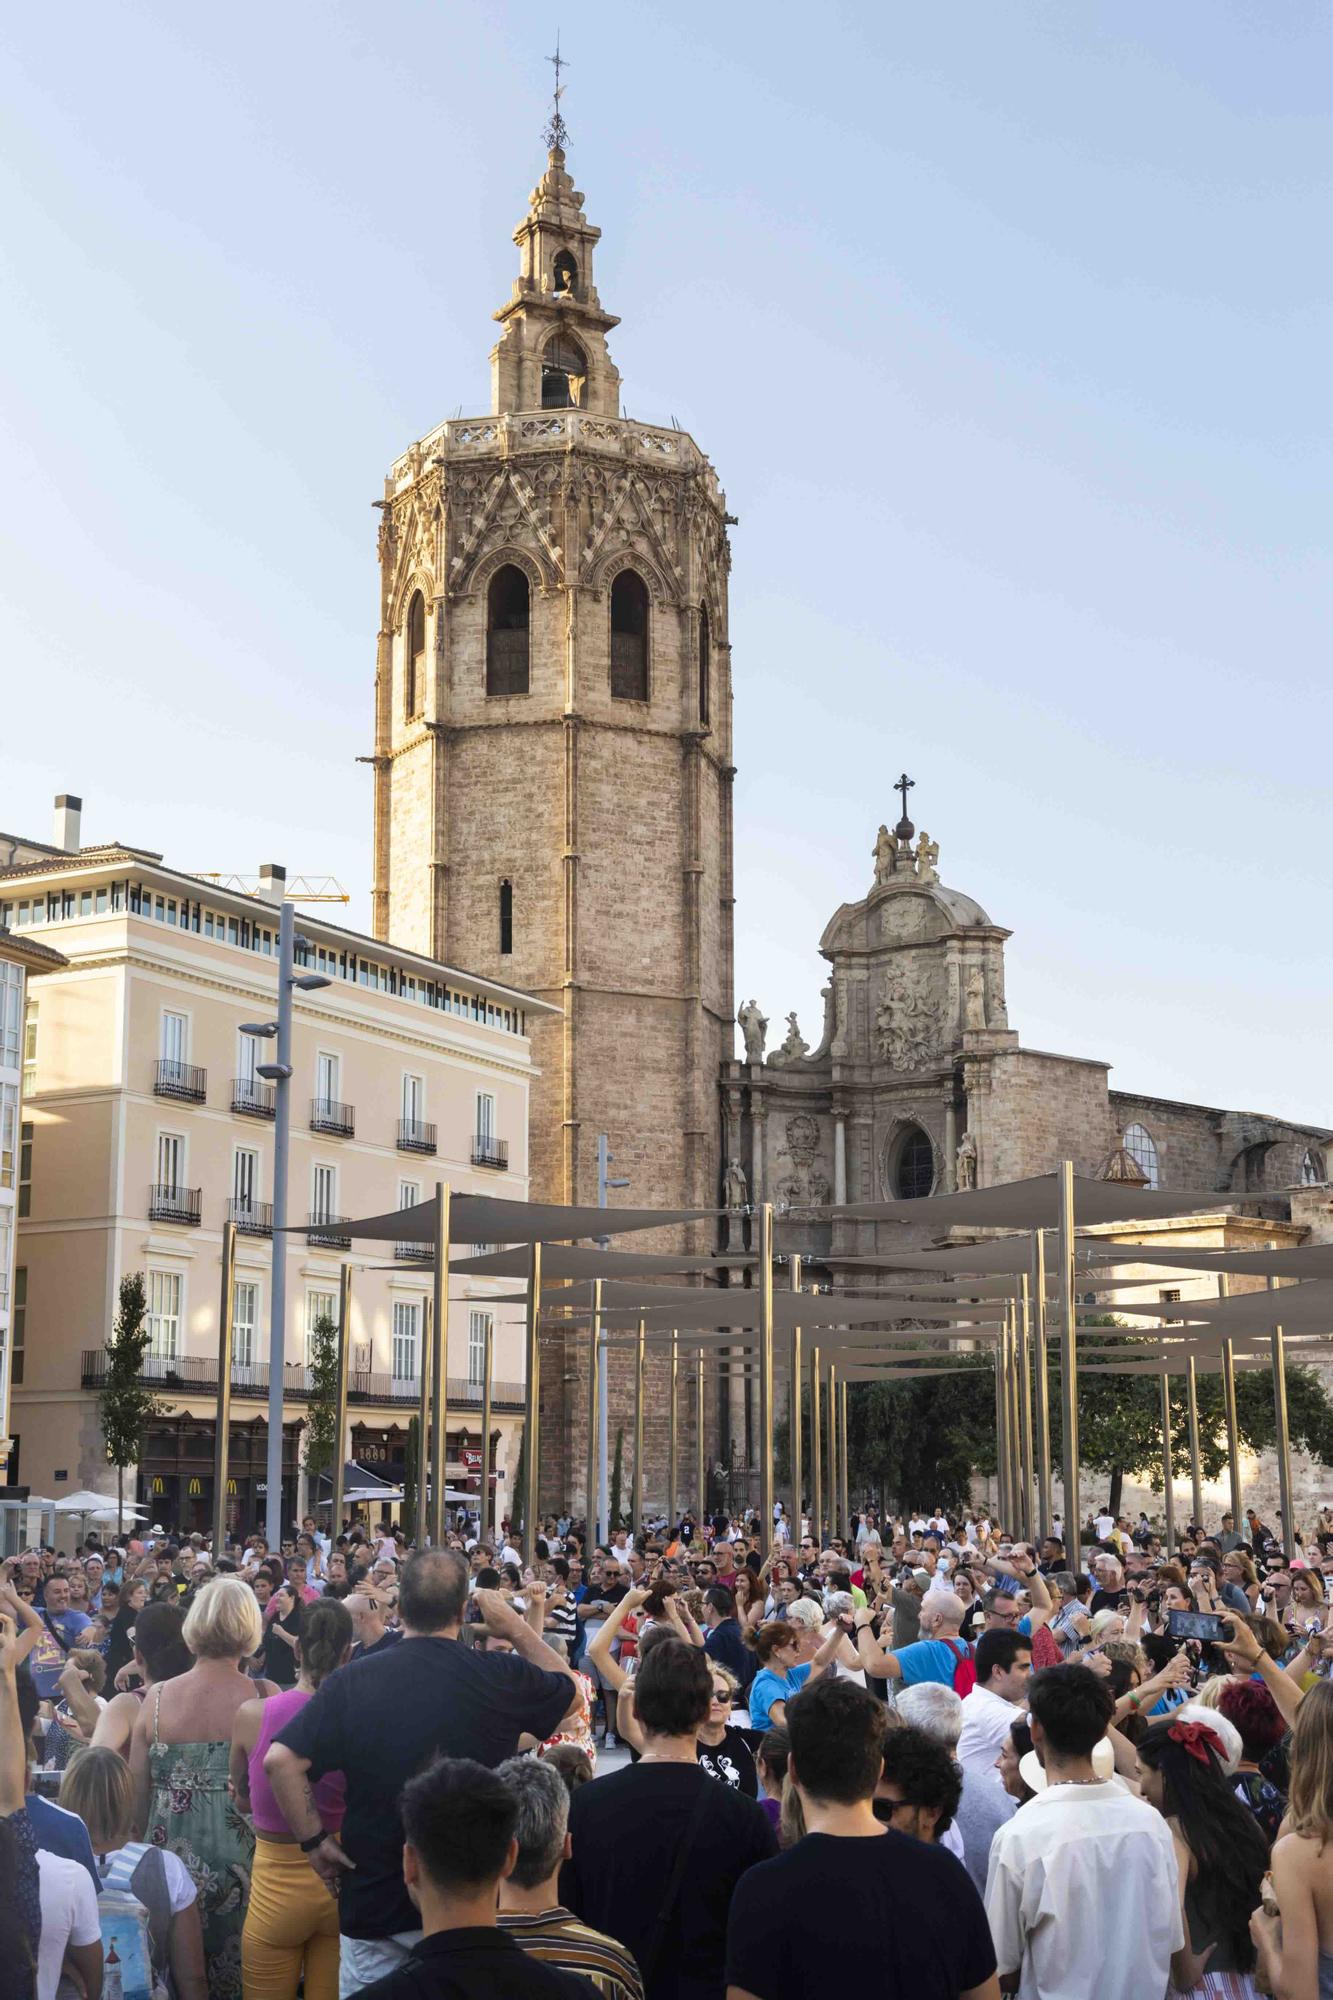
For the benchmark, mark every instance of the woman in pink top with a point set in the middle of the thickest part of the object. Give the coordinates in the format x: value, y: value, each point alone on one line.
x: 291, y: 1925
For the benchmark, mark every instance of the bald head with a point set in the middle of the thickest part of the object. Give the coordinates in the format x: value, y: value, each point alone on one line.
x: 942, y: 1613
x: 433, y: 1590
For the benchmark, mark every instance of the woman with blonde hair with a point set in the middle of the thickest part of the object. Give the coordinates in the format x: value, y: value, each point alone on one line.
x: 1295, y: 1940
x: 723, y: 1750
x: 98, y: 1787
x: 179, y: 1757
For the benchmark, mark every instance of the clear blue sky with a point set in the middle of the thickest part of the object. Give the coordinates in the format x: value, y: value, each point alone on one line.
x: 1007, y: 328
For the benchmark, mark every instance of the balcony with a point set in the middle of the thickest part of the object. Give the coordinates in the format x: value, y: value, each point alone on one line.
x: 488, y: 1151
x: 252, y: 1218
x: 329, y: 1232
x: 252, y: 1098
x: 414, y: 1253
x: 181, y: 1081
x: 195, y: 1374
x: 415, y: 1137
x: 327, y: 1115
x: 175, y: 1204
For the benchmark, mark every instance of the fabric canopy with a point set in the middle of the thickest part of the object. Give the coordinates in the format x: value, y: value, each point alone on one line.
x: 1307, y: 1260
x: 706, y: 1309
x: 484, y: 1218
x: 1035, y: 1204
x: 565, y: 1260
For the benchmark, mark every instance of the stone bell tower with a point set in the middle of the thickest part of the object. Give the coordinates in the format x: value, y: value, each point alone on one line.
x: 553, y: 776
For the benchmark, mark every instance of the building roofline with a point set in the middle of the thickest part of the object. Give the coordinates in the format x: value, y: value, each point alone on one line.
x: 31, y: 952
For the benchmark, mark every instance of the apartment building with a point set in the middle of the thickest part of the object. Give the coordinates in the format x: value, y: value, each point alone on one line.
x: 146, y: 1126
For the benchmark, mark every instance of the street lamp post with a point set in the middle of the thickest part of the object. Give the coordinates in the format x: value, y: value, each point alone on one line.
x: 279, y: 1073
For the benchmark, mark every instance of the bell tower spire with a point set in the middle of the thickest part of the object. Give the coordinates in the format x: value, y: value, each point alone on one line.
x: 552, y: 353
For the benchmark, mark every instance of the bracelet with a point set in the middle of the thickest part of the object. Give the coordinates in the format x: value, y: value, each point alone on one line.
x: 315, y: 1840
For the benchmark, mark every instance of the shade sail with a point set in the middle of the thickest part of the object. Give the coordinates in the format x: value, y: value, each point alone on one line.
x: 787, y: 1313
x: 1307, y: 1260
x: 566, y: 1260
x: 1035, y: 1204
x: 483, y: 1218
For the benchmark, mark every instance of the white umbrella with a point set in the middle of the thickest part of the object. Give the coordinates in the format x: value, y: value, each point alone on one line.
x: 86, y: 1503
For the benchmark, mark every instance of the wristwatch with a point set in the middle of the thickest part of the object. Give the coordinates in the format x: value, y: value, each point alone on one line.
x: 315, y: 1840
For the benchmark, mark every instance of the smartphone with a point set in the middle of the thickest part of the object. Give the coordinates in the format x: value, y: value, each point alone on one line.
x: 1208, y: 1626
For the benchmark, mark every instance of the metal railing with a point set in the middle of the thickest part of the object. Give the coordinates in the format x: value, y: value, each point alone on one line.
x: 327, y: 1115
x: 174, y: 1204
x: 488, y: 1151
x: 414, y: 1253
x: 329, y: 1232
x: 190, y: 1372
x: 414, y: 1136
x: 253, y: 1098
x: 180, y: 1080
x: 252, y: 1218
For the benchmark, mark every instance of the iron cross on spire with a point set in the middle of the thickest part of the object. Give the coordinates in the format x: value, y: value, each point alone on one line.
x: 556, y: 134
x: 904, y: 829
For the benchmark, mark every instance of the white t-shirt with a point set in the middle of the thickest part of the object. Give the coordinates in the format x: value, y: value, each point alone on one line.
x: 1104, y: 1524
x: 69, y: 1916
x: 181, y: 1891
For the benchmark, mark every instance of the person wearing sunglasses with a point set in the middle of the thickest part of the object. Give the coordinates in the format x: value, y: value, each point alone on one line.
x: 724, y: 1749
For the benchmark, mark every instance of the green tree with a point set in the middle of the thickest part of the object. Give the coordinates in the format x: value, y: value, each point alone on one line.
x: 321, y: 1424
x: 616, y: 1519
x: 126, y: 1405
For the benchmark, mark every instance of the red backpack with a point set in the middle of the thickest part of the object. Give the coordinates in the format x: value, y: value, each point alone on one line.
x: 965, y: 1670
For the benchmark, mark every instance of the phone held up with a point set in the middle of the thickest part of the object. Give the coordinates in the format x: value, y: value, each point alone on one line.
x: 1210, y: 1627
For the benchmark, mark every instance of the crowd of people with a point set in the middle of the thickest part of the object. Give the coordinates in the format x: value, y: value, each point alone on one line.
x: 713, y: 1759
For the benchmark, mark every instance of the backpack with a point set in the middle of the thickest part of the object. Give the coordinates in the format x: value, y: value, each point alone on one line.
x: 965, y: 1670
x: 127, y: 1938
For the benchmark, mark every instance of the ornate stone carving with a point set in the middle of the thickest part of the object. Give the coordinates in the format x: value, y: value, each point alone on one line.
x: 927, y: 859
x: 735, y: 1186
x: 754, y: 1028
x: 802, y: 1138
x: 967, y: 1163
x: 793, y: 1048
x: 885, y: 853
x: 974, y: 998
x: 909, y: 1021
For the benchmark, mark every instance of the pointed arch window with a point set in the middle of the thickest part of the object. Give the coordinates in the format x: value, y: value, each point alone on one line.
x: 564, y: 372
x: 1142, y: 1149
x: 414, y: 679
x: 508, y: 617
x: 629, y: 637
x: 705, y: 663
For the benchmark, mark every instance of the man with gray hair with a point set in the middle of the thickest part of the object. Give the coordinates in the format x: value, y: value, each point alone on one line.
x: 983, y: 1805
x: 530, y: 1909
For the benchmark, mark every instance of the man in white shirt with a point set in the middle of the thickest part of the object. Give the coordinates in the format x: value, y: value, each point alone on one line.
x: 70, y: 1924
x: 1004, y: 1667
x: 1104, y: 1523
x: 1083, y: 1892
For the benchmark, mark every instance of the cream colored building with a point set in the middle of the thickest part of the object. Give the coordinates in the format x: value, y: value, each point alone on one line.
x: 149, y: 1127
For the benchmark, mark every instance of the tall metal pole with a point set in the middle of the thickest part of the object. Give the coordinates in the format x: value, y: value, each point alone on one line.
x: 1003, y: 1497
x: 833, y: 1448
x: 532, y: 1405
x: 605, y: 1181
x: 440, y: 1365
x: 1229, y: 1406
x: 700, y: 1468
x: 1196, y: 1469
x: 277, y: 1320
x: 340, y: 1420
x: 487, y: 1365
x: 816, y: 1455
x: 794, y: 1420
x: 1045, y: 1509
x: 636, y: 1491
x: 423, y: 1426
x: 844, y: 1456
x: 673, y: 1463
x: 222, y: 1421
x: 1069, y: 1365
x: 1283, y: 1435
x: 1168, y: 1485
x: 1015, y: 1423
x: 591, y: 1522
x: 1025, y: 1402
x: 765, y: 1279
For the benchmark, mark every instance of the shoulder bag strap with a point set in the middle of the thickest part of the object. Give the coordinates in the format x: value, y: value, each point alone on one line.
x: 55, y: 1631
x: 666, y: 1908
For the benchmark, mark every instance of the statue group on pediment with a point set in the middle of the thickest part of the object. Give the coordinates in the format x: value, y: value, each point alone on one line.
x: 893, y: 857
x: 909, y: 1021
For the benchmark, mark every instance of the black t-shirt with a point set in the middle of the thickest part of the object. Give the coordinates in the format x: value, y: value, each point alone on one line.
x: 380, y: 1720
x: 279, y: 1657
x: 787, y: 1933
x: 1108, y: 1600
x: 731, y: 1761
x: 625, y: 1832
x: 476, y: 1964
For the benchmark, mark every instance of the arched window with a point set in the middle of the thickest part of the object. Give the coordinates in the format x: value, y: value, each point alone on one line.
x: 629, y: 637
x: 414, y: 675
x: 705, y: 663
x: 508, y: 614
x: 564, y: 371
x: 1313, y: 1171
x: 566, y: 273
x: 506, y: 919
x: 913, y: 1171
x: 1141, y: 1149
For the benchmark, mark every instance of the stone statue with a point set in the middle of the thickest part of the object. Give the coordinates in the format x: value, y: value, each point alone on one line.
x: 886, y: 856
x: 754, y: 1028
x: 974, y: 998
x: 734, y: 1183
x: 927, y: 858
x: 967, y: 1163
x: 795, y: 1045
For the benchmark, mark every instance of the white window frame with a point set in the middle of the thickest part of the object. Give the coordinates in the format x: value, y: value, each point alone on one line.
x: 409, y: 1194
x: 476, y: 1346
x: 406, y: 1326
x: 11, y: 1014
x: 244, y: 1326
x: 328, y: 1063
x: 180, y: 1140
x: 318, y: 1304
x: 251, y: 1196
x: 319, y: 1169
x: 413, y: 1098
x: 483, y: 1122
x: 247, y: 1060
x: 165, y: 1051
x: 164, y: 1319
x: 9, y: 1135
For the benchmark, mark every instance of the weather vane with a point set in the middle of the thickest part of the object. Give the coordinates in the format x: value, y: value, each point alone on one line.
x: 556, y: 134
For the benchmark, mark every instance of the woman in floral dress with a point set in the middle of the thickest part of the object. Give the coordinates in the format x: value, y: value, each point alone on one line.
x: 179, y: 1755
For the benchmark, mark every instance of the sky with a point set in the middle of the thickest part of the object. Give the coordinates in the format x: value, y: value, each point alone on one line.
x: 1006, y: 327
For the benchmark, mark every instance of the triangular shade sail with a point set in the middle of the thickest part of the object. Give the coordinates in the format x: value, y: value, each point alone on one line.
x: 739, y: 1312
x: 566, y: 1260
x: 1035, y: 1204
x: 483, y: 1218
x: 1307, y: 1260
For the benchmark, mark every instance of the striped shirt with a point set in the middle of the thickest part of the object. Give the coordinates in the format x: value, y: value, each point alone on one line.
x: 558, y: 1938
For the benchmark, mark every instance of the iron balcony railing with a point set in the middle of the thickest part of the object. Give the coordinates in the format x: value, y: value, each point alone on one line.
x: 329, y: 1232
x: 181, y: 1080
x: 488, y: 1151
x: 252, y: 1218
x: 327, y: 1115
x: 253, y: 1098
x: 414, y: 1253
x: 187, y: 1373
x: 174, y: 1204
x: 415, y: 1137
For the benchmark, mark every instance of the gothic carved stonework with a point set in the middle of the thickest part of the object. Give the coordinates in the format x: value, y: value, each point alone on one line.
x: 910, y: 1025
x: 802, y: 1138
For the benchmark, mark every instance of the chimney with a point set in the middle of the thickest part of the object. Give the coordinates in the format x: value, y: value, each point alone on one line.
x: 272, y: 882
x: 69, y: 812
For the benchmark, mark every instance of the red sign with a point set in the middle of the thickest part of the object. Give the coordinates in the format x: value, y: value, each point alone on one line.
x: 471, y: 1457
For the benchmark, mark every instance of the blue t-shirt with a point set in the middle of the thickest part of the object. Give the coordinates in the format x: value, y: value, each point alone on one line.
x: 59, y: 1832
x: 930, y: 1660
x: 768, y: 1687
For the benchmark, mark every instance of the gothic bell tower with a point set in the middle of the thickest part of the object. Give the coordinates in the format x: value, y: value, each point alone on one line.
x: 553, y: 775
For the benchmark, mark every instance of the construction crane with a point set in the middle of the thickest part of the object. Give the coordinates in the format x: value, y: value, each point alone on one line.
x: 299, y: 888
